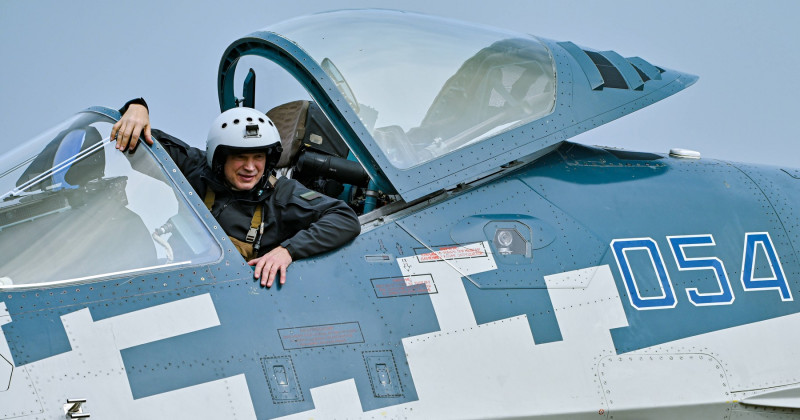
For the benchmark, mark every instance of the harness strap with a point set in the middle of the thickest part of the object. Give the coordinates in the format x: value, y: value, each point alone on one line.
x: 209, y: 198
x: 256, y: 224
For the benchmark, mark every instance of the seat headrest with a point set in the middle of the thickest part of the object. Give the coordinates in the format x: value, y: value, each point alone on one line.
x: 290, y: 120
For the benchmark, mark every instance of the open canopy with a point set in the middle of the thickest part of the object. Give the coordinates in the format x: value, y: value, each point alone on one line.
x: 423, y: 88
x: 427, y: 103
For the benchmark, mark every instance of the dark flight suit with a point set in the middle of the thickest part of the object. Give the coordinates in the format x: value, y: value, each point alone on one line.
x: 304, y: 222
x: 304, y: 226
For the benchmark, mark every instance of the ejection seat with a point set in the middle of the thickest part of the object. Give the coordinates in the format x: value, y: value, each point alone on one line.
x: 313, y: 152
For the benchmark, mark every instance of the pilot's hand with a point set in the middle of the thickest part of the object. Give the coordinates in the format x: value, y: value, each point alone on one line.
x: 128, y: 129
x: 268, y: 265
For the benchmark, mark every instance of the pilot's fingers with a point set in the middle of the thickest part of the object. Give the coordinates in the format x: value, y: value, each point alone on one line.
x: 122, y: 142
x: 148, y: 137
x: 130, y: 137
x: 114, y: 130
x: 283, y: 274
x: 259, y: 263
x: 118, y: 134
x: 268, y: 275
x: 273, y: 271
x: 136, y: 131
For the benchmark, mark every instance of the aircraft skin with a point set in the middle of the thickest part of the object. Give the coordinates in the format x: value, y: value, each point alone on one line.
x: 546, y: 279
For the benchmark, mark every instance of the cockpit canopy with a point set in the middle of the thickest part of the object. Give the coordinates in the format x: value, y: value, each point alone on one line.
x: 427, y: 103
x: 74, y: 208
x: 423, y: 88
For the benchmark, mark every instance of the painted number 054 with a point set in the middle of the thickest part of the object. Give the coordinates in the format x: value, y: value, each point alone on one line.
x: 723, y: 295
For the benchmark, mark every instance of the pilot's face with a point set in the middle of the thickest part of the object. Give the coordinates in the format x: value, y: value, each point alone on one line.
x: 244, y: 170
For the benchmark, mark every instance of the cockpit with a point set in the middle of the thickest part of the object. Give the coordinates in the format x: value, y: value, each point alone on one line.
x: 378, y: 108
x: 377, y: 97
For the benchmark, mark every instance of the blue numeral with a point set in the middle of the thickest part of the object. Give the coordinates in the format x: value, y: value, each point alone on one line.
x: 725, y: 295
x: 778, y: 279
x: 667, y: 298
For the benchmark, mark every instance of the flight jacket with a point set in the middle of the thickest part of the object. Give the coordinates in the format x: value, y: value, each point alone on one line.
x: 306, y: 223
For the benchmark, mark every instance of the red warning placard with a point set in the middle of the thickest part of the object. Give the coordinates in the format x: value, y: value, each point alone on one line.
x: 451, y: 252
x: 321, y: 335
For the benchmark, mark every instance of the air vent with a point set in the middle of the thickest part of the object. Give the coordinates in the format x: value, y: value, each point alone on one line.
x: 593, y: 76
x: 611, y: 76
x: 646, y: 70
x: 641, y: 74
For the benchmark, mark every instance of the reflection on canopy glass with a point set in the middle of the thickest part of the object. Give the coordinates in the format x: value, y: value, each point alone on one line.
x: 74, y: 208
x: 425, y: 86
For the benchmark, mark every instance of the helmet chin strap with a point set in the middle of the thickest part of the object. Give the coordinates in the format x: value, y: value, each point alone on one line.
x: 262, y: 184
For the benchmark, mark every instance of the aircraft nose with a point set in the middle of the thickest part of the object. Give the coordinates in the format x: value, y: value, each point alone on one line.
x: 688, y: 79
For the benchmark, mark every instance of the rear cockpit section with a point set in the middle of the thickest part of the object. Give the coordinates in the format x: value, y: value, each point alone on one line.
x: 73, y: 208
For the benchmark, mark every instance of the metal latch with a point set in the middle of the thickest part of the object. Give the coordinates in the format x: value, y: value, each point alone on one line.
x: 73, y: 409
x: 251, y: 235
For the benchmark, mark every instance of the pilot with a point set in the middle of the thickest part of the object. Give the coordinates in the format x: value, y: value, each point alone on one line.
x: 271, y: 221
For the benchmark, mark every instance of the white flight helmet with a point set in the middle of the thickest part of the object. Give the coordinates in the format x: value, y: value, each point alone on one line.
x: 242, y: 130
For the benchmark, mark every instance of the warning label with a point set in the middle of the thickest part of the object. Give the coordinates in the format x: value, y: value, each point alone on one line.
x: 451, y: 252
x: 321, y: 335
x: 419, y: 284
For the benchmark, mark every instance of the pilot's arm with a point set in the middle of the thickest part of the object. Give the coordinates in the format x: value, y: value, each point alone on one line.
x: 134, y: 122
x: 334, y: 224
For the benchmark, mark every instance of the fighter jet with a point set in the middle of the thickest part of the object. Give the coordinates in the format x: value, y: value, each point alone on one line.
x: 502, y: 271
